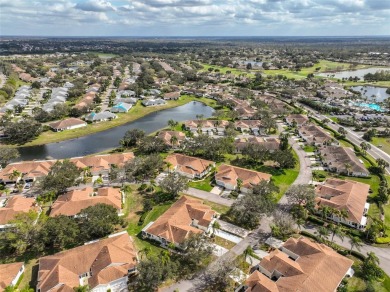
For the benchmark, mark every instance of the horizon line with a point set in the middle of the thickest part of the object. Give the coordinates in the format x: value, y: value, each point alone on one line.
x: 195, y: 36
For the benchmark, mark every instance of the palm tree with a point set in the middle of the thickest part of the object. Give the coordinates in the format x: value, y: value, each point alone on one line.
x: 165, y: 256
x: 98, y: 181
x: 239, y: 184
x: 82, y: 288
x: 169, y: 166
x: 14, y: 175
x: 174, y: 140
x: 336, y: 229
x: 323, y: 233
x: 214, y: 227
x: 365, y: 146
x: 382, y: 163
x: 348, y: 167
x: 355, y: 242
x: 300, y: 222
x: 325, y: 211
x: 248, y: 252
x: 144, y: 252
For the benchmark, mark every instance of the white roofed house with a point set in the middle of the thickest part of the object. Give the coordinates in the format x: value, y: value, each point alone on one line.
x: 153, y: 102
x: 100, y: 117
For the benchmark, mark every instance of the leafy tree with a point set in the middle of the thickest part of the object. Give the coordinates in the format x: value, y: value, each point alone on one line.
x: 172, y: 123
x: 300, y: 195
x: 132, y: 137
x: 371, y: 133
x: 148, y: 145
x: 284, y: 158
x: 196, y: 253
x: 342, y: 132
x: 143, y: 168
x: 62, y: 175
x: 370, y: 268
x: 60, y: 232
x: 151, y: 273
x: 218, y: 277
x: 382, y: 164
x: 365, y: 146
x: 22, y: 236
x: 98, y: 221
x: 22, y: 131
x: 174, y: 183
x: 283, y: 224
x: 7, y: 154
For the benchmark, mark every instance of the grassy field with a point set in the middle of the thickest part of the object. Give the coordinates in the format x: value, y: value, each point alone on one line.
x: 232, y: 70
x: 223, y: 242
x: 385, y: 142
x: 204, y: 185
x: 309, y: 148
x: 135, y: 113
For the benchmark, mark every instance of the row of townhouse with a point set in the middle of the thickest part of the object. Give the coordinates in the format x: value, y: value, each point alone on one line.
x: 58, y: 95
x: 21, y: 99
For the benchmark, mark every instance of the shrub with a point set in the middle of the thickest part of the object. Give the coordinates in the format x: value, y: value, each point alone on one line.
x: 316, y: 220
x: 382, y: 240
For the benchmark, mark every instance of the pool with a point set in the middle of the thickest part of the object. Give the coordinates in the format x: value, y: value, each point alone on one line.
x: 373, y: 106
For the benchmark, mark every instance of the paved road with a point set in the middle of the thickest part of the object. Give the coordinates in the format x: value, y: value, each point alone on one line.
x: 3, y: 79
x: 383, y: 253
x: 354, y: 138
x: 209, y: 197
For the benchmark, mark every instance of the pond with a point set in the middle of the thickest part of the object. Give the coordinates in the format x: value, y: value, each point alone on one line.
x: 346, y: 74
x: 109, y: 139
x: 370, y: 91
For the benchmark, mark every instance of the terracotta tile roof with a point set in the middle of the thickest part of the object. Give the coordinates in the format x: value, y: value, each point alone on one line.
x: 338, y: 157
x: 34, y: 169
x: 8, y: 272
x: 16, y: 205
x: 73, y: 202
x: 299, y: 119
x: 175, y: 224
x: 66, y: 123
x: 167, y: 136
x: 269, y: 143
x: 257, y: 282
x: 108, y: 259
x: 246, y: 124
x: 206, y: 124
x: 316, y: 267
x: 315, y: 134
x: 347, y: 195
x: 103, y: 162
x: 229, y: 174
x: 189, y: 164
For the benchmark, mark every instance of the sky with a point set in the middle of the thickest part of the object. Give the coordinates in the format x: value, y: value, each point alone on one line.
x: 194, y: 17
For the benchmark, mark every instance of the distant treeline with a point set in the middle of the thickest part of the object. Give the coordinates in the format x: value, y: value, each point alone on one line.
x: 378, y: 76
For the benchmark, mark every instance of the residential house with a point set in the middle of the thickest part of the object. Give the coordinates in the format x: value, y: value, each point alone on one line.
x: 29, y: 171
x: 128, y: 100
x: 245, y: 112
x: 10, y: 274
x: 100, y: 117
x: 67, y: 124
x: 102, y: 265
x: 10, y: 207
x: 270, y: 143
x: 121, y: 107
x: 233, y: 177
x: 185, y: 217
x: 348, y: 197
x: 71, y: 203
x: 300, y: 265
x: 249, y: 126
x: 172, y: 95
x: 209, y: 127
x: 191, y: 167
x: 296, y: 120
x: 342, y: 160
x: 153, y: 102
x: 173, y: 139
x: 315, y: 135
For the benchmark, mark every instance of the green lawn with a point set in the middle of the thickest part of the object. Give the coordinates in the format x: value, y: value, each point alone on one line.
x: 385, y: 142
x: 309, y: 148
x: 204, y: 185
x: 232, y: 70
x: 223, y: 242
x: 221, y: 209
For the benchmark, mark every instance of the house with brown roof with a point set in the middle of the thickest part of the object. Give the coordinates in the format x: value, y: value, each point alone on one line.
x: 102, y: 265
x: 172, y: 95
x: 269, y: 143
x: 245, y: 112
x: 101, y: 164
x: 296, y: 119
x: 300, y: 265
x: 67, y: 124
x: 342, y: 160
x: 29, y: 171
x: 315, y: 135
x: 249, y: 126
x: 10, y: 274
x: 191, y: 167
x: 209, y: 127
x: 185, y: 217
x: 173, y: 139
x: 10, y: 207
x: 233, y: 177
x: 72, y: 202
x: 349, y: 197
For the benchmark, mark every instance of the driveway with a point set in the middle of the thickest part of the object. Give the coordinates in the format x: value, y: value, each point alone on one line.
x: 209, y: 197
